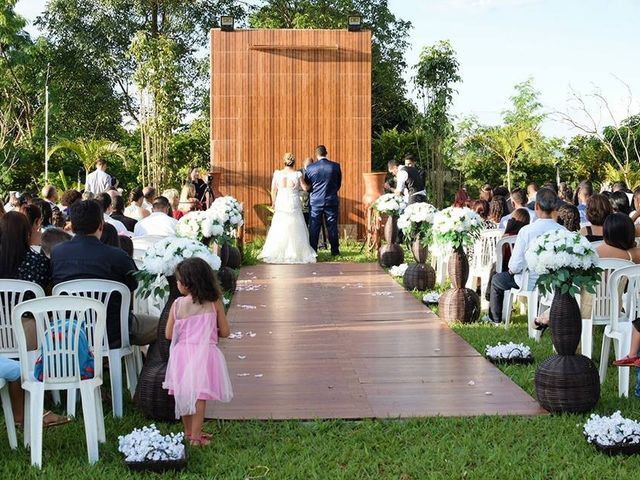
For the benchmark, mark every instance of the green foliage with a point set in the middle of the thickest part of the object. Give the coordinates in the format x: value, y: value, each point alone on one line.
x: 393, y: 144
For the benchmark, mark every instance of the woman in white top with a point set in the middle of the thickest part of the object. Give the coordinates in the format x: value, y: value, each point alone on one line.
x: 288, y: 237
x: 135, y: 210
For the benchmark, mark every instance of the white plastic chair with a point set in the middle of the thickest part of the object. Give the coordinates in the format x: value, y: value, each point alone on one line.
x: 12, y: 293
x: 102, y: 290
x: 596, y: 243
x: 61, y: 364
x: 601, y: 306
x: 620, y: 328
x: 484, y: 257
x: 8, y: 414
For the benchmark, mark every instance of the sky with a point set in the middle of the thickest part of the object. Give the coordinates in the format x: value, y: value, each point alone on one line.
x: 564, y: 45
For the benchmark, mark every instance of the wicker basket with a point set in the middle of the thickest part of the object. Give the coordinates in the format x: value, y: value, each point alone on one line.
x: 566, y: 323
x: 227, y: 279
x: 419, y: 276
x: 619, y: 449
x: 511, y: 361
x: 458, y: 268
x: 419, y: 251
x: 390, y: 255
x: 235, y: 258
x: 159, y: 466
x: 459, y: 305
x: 391, y: 229
x: 567, y: 383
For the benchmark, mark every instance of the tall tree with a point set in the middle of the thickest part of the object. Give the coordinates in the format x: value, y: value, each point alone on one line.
x: 390, y: 107
x: 436, y: 73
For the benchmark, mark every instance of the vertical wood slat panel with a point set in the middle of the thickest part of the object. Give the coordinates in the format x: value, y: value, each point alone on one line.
x: 265, y: 102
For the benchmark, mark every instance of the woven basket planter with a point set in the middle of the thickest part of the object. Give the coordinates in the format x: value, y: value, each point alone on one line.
x: 419, y: 276
x: 227, y: 279
x: 459, y: 304
x: 567, y: 383
x: 235, y: 258
x: 419, y: 251
x: 153, y: 400
x: 391, y: 254
x: 566, y: 323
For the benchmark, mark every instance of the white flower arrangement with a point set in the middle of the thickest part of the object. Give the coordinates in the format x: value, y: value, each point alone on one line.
x: 416, y: 221
x: 390, y: 204
x: 431, y: 297
x: 227, y: 211
x: 161, y: 259
x: 456, y: 227
x: 507, y: 351
x: 199, y: 226
x: 398, y: 270
x: 148, y: 444
x: 612, y: 430
x: 564, y: 260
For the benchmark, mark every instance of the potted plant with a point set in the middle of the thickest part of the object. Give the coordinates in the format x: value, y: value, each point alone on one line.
x: 456, y: 228
x: 566, y: 263
x: 415, y: 222
x: 392, y: 206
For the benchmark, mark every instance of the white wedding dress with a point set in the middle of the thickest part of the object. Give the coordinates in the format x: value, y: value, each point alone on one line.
x: 288, y: 237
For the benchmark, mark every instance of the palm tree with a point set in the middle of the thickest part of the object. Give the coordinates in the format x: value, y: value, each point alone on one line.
x: 90, y: 151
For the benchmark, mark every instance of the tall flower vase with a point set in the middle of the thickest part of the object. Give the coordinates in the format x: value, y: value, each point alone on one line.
x: 373, y: 188
x: 567, y: 382
x: 419, y: 275
x: 153, y: 400
x: 459, y: 304
x: 390, y: 254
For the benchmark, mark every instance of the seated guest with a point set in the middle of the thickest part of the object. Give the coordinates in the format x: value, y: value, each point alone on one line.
x: 34, y: 215
x: 69, y: 198
x: 173, y: 196
x: 117, y: 212
x: 110, y: 236
x: 104, y: 199
x: 135, y: 210
x: 45, y: 210
x: 17, y: 259
x: 88, y: 195
x: 481, y: 207
x: 635, y: 214
x: 188, y: 202
x: 598, y: 209
x: 518, y: 200
x: 50, y: 195
x: 149, y: 194
x: 546, y: 201
x: 620, y: 202
x: 159, y: 222
x: 52, y: 237
x: 496, y: 212
x: 532, y: 191
x: 582, y: 196
x: 461, y: 199
x: 486, y: 193
x: 564, y: 193
x: 126, y: 244
x: 619, y: 235
x: 569, y: 217
x: 85, y: 256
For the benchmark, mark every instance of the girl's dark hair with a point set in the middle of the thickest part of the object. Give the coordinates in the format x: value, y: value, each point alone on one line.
x: 33, y: 213
x: 199, y: 278
x: 70, y: 197
x: 481, y: 207
x: 569, y: 217
x: 620, y: 202
x: 461, y: 199
x: 110, y: 235
x: 619, y: 231
x: 15, y: 234
x: 598, y: 209
x: 47, y: 211
x: 52, y: 237
x: 126, y: 244
x: 519, y: 218
x: 496, y: 209
x: 135, y: 195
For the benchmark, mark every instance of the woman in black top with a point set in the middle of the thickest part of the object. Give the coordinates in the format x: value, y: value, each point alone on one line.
x: 598, y: 209
x: 17, y: 259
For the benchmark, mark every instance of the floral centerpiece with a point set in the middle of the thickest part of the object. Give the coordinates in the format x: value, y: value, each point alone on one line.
x: 564, y: 261
x: 200, y: 226
x: 161, y: 259
x: 390, y: 204
x: 398, y: 270
x: 227, y: 211
x: 416, y: 221
x: 456, y: 227
x: 509, y: 353
x: 147, y: 447
x: 613, y: 434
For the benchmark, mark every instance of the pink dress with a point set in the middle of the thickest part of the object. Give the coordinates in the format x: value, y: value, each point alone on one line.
x: 197, y: 369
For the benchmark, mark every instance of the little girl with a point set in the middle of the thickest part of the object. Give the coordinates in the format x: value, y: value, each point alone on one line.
x: 197, y: 370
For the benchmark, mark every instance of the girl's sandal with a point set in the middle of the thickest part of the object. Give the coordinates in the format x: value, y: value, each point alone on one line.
x: 199, y: 441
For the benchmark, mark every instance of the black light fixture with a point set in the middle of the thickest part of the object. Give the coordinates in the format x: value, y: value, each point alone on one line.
x: 226, y: 23
x: 354, y: 22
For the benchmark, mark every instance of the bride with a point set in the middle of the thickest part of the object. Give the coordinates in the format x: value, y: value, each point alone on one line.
x: 288, y: 237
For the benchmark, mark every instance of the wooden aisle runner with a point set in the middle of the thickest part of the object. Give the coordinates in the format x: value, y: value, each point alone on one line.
x: 335, y: 340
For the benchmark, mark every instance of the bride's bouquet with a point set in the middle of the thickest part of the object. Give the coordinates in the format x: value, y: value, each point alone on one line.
x: 564, y: 260
x: 390, y: 204
x: 200, y: 226
x: 416, y: 222
x: 227, y: 211
x: 161, y: 259
x: 456, y: 227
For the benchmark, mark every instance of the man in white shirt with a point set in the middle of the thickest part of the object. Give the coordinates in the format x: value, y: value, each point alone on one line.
x: 159, y: 222
x: 409, y: 182
x: 519, y: 200
x: 99, y: 180
x: 105, y: 202
x: 546, y: 202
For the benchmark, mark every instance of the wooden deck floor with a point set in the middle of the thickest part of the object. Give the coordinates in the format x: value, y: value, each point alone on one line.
x: 345, y: 341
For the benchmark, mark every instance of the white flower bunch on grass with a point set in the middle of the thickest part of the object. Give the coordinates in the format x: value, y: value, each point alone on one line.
x: 227, y: 211
x: 162, y: 258
x: 416, y: 221
x: 148, y: 444
x: 507, y: 351
x: 564, y: 260
x: 390, y: 204
x: 199, y: 225
x: 398, y: 270
x: 456, y: 227
x: 612, y: 430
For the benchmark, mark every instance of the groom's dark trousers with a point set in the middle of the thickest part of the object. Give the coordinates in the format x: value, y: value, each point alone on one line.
x: 331, y: 216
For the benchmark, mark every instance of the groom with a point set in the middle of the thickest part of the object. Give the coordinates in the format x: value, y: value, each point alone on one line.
x: 325, y: 179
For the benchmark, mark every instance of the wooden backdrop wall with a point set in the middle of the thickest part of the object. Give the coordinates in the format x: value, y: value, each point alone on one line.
x: 278, y: 91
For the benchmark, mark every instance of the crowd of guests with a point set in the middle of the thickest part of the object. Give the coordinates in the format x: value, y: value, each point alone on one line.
x: 81, y: 235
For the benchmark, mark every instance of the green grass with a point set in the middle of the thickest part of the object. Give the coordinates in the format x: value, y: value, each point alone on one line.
x: 545, y: 447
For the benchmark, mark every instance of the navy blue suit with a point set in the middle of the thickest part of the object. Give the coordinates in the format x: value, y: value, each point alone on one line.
x: 325, y: 178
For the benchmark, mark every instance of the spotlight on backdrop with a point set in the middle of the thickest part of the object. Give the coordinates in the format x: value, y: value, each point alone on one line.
x: 226, y: 23
x: 354, y: 23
